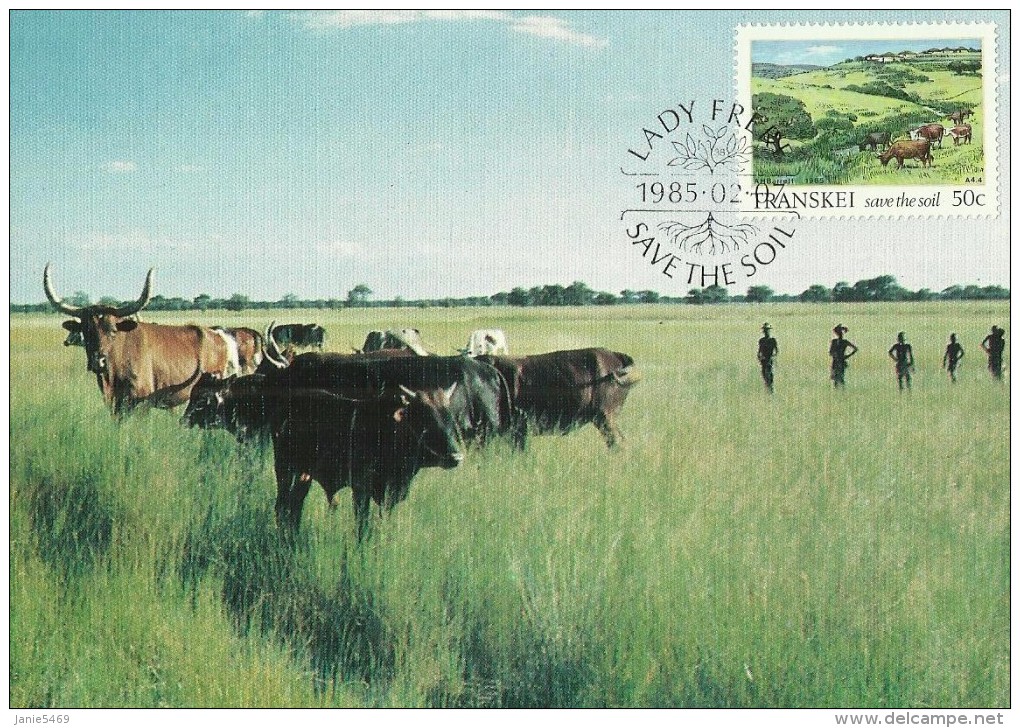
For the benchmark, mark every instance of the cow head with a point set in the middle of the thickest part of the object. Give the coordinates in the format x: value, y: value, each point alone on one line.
x: 97, y: 327
x: 207, y: 407
x: 74, y: 335
x: 427, y: 417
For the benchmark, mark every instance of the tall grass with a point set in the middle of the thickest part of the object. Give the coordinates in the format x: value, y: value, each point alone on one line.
x: 814, y: 548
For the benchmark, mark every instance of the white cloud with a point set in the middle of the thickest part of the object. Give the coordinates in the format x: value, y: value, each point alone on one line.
x: 342, y: 249
x: 822, y: 50
x: 343, y: 19
x: 546, y: 26
x: 542, y: 26
x: 119, y: 166
x: 454, y: 15
x: 134, y: 240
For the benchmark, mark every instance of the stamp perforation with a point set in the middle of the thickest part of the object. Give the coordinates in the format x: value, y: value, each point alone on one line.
x: 985, y: 189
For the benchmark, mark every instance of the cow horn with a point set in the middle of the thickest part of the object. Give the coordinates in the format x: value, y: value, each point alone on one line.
x: 55, y: 300
x: 272, y: 350
x: 416, y: 348
x: 142, y: 302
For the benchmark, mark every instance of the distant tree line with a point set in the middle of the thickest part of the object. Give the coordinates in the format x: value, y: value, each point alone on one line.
x: 880, y: 288
x: 965, y: 68
x: 578, y: 293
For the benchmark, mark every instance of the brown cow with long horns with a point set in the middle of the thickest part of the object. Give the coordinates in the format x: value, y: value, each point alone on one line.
x: 136, y: 362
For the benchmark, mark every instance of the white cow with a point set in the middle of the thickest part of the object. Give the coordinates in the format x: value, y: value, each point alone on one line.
x: 233, y: 365
x: 487, y: 341
x: 391, y: 339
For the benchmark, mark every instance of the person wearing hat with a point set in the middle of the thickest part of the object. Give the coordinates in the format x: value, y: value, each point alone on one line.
x: 902, y: 353
x: 951, y: 359
x: 840, y: 350
x: 994, y: 344
x: 768, y: 349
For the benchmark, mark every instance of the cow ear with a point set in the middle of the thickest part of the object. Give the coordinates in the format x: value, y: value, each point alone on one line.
x: 127, y: 325
x: 398, y: 416
x: 449, y: 392
x: 72, y: 325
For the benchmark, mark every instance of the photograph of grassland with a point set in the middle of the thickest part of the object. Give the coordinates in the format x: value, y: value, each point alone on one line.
x: 813, y: 548
x: 840, y: 123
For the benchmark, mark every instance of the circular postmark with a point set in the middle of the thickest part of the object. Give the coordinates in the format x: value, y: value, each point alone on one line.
x: 687, y: 208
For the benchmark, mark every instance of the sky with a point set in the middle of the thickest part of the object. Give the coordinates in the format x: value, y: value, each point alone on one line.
x: 827, y: 52
x: 424, y: 154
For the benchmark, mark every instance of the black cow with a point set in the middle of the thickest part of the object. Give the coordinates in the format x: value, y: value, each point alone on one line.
x: 298, y: 335
x: 480, y: 405
x: 563, y: 390
x: 874, y: 140
x: 374, y: 446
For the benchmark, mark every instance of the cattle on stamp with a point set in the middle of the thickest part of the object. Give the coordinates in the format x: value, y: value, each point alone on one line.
x: 901, y: 150
x: 487, y: 342
x: 136, y: 362
x: 932, y: 132
x: 563, y: 390
x: 958, y: 117
x: 374, y: 446
x: 961, y: 133
x: 874, y: 140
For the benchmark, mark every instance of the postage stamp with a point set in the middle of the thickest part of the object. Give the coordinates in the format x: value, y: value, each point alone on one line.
x: 510, y: 359
x: 869, y: 120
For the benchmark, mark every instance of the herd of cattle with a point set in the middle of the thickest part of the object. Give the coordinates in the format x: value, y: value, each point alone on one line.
x: 367, y: 420
x: 922, y: 140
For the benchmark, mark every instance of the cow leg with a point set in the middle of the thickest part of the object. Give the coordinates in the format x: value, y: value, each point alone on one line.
x: 362, y: 509
x: 519, y: 430
x: 291, y: 489
x: 397, y: 491
x: 298, y: 493
x: 122, y: 405
x: 609, y: 430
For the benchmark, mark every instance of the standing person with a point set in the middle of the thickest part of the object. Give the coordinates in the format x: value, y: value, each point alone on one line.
x: 994, y: 344
x: 768, y: 349
x: 902, y: 353
x: 951, y: 359
x: 840, y: 350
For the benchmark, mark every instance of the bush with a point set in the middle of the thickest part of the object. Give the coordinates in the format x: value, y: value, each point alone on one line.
x: 786, y: 113
x: 878, y: 88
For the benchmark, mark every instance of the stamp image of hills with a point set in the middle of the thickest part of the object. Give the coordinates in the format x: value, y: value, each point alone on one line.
x: 818, y: 115
x: 775, y: 70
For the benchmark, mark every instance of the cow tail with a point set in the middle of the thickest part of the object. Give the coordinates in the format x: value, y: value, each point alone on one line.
x: 626, y: 375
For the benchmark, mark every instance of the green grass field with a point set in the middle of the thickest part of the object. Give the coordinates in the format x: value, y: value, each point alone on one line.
x: 811, y: 549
